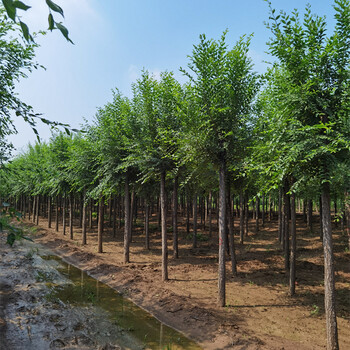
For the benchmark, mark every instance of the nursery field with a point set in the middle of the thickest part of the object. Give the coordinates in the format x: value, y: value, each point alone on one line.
x: 259, y: 313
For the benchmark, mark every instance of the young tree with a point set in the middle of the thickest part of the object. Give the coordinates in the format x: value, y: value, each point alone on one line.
x: 312, y: 98
x: 224, y: 86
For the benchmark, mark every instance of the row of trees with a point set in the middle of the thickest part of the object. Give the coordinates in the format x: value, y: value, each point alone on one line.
x: 226, y: 131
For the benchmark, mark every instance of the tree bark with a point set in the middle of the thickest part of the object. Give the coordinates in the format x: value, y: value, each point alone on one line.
x: 222, y: 227
x: 64, y: 214
x: 127, y: 222
x: 293, y: 247
x: 210, y: 214
x: 347, y: 215
x: 57, y: 214
x: 231, y: 235
x: 83, y: 223
x: 114, y: 222
x: 37, y: 208
x: 309, y: 214
x: 175, y: 207
x: 49, y: 214
x: 71, y: 209
x: 257, y: 204
x: 147, y: 225
x: 280, y: 219
x: 194, y: 237
x: 164, y: 229
x: 241, y: 217
x: 100, y: 224
x: 329, y: 283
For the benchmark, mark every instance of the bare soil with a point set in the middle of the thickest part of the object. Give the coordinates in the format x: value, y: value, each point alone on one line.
x: 259, y: 313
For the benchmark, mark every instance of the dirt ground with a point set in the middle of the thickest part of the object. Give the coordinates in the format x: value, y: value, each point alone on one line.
x: 259, y: 313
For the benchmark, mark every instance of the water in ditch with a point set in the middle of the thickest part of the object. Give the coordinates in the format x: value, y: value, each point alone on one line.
x: 134, y: 327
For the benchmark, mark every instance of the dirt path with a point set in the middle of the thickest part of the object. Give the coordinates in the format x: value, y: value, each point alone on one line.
x: 259, y: 313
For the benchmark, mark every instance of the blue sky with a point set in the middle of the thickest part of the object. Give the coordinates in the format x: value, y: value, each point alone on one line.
x: 116, y: 39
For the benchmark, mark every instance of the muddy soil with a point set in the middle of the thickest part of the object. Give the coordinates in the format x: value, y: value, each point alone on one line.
x: 259, y: 313
x: 29, y: 319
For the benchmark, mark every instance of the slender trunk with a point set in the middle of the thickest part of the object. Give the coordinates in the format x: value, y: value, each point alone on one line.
x: 231, y: 234
x: 263, y: 211
x: 114, y: 223
x: 188, y: 210
x: 304, y: 211
x: 246, y: 214
x: 164, y: 229
x: 64, y: 214
x: 49, y: 214
x: 57, y: 215
x: 286, y: 224
x: 127, y: 222
x: 280, y: 220
x: 147, y: 225
x: 194, y: 237
x: 90, y: 212
x: 347, y: 215
x: 293, y: 247
x: 71, y: 210
x: 175, y: 205
x: 100, y: 224
x: 210, y: 214
x: 222, y: 222
x: 83, y: 223
x: 309, y: 214
x: 37, y: 208
x: 81, y: 209
x: 321, y: 220
x: 329, y: 283
x: 132, y: 213
x: 241, y: 217
x: 257, y: 204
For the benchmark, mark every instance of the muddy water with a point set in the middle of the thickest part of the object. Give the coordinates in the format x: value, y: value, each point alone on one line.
x: 134, y: 328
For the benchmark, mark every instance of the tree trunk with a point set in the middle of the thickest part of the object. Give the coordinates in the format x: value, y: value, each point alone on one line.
x: 222, y: 222
x: 194, y: 237
x: 127, y: 222
x: 100, y: 224
x: 309, y: 214
x: 321, y: 220
x: 37, y: 208
x: 329, y: 284
x: 293, y: 247
x: 147, y: 225
x: 83, y: 223
x: 280, y: 220
x: 231, y: 235
x: 210, y: 214
x: 263, y: 211
x: 241, y: 217
x: 257, y: 204
x: 246, y: 214
x: 347, y: 215
x: 163, y: 224
x: 175, y: 205
x: 286, y: 223
x: 114, y: 223
x: 188, y: 211
x: 64, y: 214
x: 71, y: 209
x: 57, y: 214
x: 49, y: 214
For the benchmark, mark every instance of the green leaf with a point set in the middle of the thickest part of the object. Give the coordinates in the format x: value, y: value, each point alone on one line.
x: 54, y: 7
x: 21, y: 5
x: 25, y: 30
x: 64, y: 31
x: 10, y: 9
x: 51, y: 22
